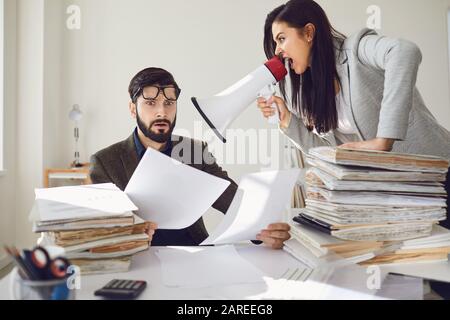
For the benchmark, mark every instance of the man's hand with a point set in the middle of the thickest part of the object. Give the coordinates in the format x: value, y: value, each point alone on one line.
x: 378, y: 144
x: 150, y: 229
x: 275, y: 235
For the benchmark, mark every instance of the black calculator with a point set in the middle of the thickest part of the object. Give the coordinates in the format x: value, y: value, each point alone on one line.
x: 122, y: 289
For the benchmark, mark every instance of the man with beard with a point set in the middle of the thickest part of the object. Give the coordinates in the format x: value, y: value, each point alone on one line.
x: 154, y: 94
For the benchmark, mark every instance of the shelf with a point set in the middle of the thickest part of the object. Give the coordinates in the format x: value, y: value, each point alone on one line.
x: 68, y: 175
x: 81, y: 173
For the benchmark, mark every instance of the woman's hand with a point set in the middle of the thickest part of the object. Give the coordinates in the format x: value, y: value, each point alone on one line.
x: 266, y: 108
x: 275, y: 235
x: 150, y: 229
x: 378, y: 144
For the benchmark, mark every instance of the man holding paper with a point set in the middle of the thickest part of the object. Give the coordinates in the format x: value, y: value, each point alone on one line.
x: 154, y: 94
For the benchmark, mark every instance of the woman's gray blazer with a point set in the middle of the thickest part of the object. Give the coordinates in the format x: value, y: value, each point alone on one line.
x: 378, y: 79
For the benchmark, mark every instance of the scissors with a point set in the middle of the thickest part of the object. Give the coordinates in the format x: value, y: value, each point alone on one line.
x: 39, y: 260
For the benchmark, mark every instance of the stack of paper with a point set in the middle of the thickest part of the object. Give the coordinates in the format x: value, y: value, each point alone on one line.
x: 321, y: 244
x: 381, y: 159
x: 94, y: 224
x: 374, y: 196
x: 315, y: 248
x: 375, y: 207
x: 436, y: 247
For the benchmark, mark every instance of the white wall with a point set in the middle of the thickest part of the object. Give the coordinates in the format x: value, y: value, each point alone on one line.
x: 2, y: 79
x: 30, y: 111
x: 446, y: 5
x: 54, y: 12
x: 32, y: 138
x: 206, y: 44
x: 7, y: 181
x: 206, y: 53
x: 423, y: 22
x: 207, y: 48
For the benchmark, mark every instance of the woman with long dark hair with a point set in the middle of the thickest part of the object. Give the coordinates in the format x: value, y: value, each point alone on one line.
x: 357, y: 92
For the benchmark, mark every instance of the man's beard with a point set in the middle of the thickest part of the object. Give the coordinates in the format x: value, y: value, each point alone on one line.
x: 156, y: 136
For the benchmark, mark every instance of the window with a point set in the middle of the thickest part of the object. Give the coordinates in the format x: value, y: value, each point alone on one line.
x: 2, y: 101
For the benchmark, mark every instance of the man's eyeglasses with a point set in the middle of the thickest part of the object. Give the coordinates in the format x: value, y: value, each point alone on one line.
x: 152, y: 92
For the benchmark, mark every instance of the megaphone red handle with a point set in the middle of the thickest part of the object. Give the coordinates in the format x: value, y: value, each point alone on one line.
x: 277, y: 68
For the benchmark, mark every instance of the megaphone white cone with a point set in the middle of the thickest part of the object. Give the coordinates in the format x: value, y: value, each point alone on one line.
x: 222, y: 109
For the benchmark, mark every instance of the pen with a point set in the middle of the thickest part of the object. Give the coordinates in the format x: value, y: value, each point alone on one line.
x: 24, y: 270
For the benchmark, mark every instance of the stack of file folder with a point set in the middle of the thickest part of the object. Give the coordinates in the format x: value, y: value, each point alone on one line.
x: 436, y: 247
x: 315, y: 248
x: 95, y: 225
x: 368, y: 201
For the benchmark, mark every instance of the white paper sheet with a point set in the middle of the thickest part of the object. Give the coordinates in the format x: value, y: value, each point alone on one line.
x: 172, y: 194
x: 195, y: 267
x: 75, y: 202
x: 261, y: 200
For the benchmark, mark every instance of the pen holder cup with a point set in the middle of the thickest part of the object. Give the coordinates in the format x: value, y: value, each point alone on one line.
x: 39, y: 290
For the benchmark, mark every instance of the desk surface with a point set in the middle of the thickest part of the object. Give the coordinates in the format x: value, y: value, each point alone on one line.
x: 346, y: 283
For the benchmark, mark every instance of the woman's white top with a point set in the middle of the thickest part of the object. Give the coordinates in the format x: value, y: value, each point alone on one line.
x: 345, y: 131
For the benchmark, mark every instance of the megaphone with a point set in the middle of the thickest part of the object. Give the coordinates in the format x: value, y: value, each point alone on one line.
x: 222, y: 109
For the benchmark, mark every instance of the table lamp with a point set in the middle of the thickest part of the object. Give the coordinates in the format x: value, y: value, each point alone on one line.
x: 75, y: 115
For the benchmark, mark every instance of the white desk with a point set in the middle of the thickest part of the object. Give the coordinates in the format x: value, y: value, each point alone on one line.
x: 347, y: 283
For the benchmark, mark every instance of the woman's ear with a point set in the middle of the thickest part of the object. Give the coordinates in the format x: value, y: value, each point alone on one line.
x: 309, y: 31
x: 132, y: 108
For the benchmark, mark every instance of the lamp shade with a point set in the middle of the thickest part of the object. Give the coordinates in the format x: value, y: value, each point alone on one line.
x: 75, y: 114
